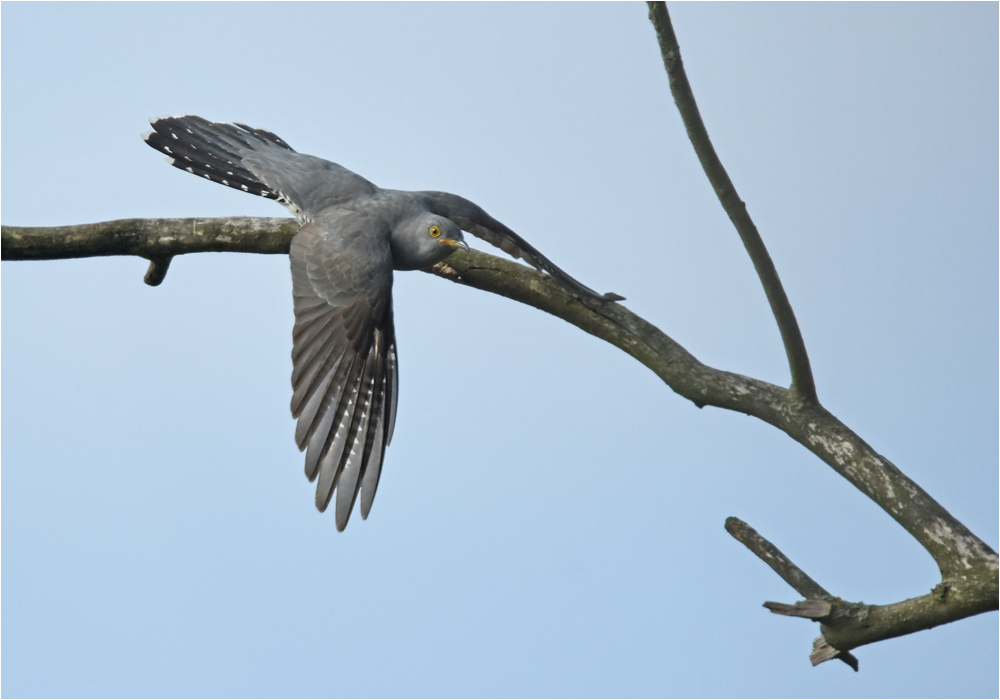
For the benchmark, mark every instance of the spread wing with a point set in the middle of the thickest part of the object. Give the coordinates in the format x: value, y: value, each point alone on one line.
x: 344, y: 376
x: 472, y: 218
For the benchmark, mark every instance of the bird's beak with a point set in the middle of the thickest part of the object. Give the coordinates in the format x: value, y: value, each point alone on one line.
x: 455, y: 244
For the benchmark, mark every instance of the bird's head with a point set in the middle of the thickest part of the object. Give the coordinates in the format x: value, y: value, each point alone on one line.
x: 424, y: 240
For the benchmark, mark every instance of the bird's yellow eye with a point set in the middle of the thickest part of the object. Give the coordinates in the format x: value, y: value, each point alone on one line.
x: 435, y: 231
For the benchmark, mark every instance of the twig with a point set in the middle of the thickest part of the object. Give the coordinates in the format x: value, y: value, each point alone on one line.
x: 814, y: 610
x: 157, y: 271
x: 803, y: 385
x: 817, y: 604
x: 772, y: 556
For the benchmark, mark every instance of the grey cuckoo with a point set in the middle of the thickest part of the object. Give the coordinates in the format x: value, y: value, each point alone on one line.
x: 354, y: 234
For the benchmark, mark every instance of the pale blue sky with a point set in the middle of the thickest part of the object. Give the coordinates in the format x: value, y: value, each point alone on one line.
x: 550, y: 517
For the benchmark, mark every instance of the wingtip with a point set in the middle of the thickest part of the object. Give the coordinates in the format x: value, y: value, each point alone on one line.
x: 321, y: 503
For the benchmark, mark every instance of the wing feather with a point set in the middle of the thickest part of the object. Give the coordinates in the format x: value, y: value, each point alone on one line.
x: 343, y: 356
x: 354, y: 452
x: 332, y: 462
x: 376, y: 438
x: 318, y: 444
x: 327, y: 395
x: 309, y: 369
x: 392, y: 391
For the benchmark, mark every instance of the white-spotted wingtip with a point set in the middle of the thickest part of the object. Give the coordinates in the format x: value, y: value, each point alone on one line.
x: 146, y: 135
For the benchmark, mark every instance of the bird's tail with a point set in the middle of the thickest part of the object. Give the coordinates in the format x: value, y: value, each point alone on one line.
x: 214, y: 150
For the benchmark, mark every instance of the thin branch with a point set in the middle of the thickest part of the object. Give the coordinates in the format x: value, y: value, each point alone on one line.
x: 814, y: 610
x: 817, y: 604
x: 803, y: 385
x: 772, y: 556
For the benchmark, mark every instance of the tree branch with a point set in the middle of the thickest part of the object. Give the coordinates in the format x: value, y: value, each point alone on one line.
x: 773, y: 557
x: 803, y: 386
x: 817, y: 604
x: 968, y: 565
x: 954, y: 548
x: 153, y: 239
x: 850, y: 625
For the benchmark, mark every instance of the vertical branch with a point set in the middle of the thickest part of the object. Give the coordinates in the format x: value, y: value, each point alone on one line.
x: 803, y: 386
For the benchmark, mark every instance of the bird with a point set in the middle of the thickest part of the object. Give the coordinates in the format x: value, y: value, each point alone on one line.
x: 354, y: 235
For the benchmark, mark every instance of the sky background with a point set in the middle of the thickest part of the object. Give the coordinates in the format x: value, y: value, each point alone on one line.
x: 550, y: 517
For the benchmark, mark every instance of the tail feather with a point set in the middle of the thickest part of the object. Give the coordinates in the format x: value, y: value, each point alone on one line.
x: 266, y: 135
x: 214, y: 151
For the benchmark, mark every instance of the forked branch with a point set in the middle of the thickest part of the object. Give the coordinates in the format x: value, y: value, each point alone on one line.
x: 803, y: 386
x: 968, y: 566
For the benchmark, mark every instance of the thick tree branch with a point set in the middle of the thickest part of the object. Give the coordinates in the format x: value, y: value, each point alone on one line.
x: 968, y: 565
x: 954, y: 548
x: 153, y: 239
x: 803, y: 386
